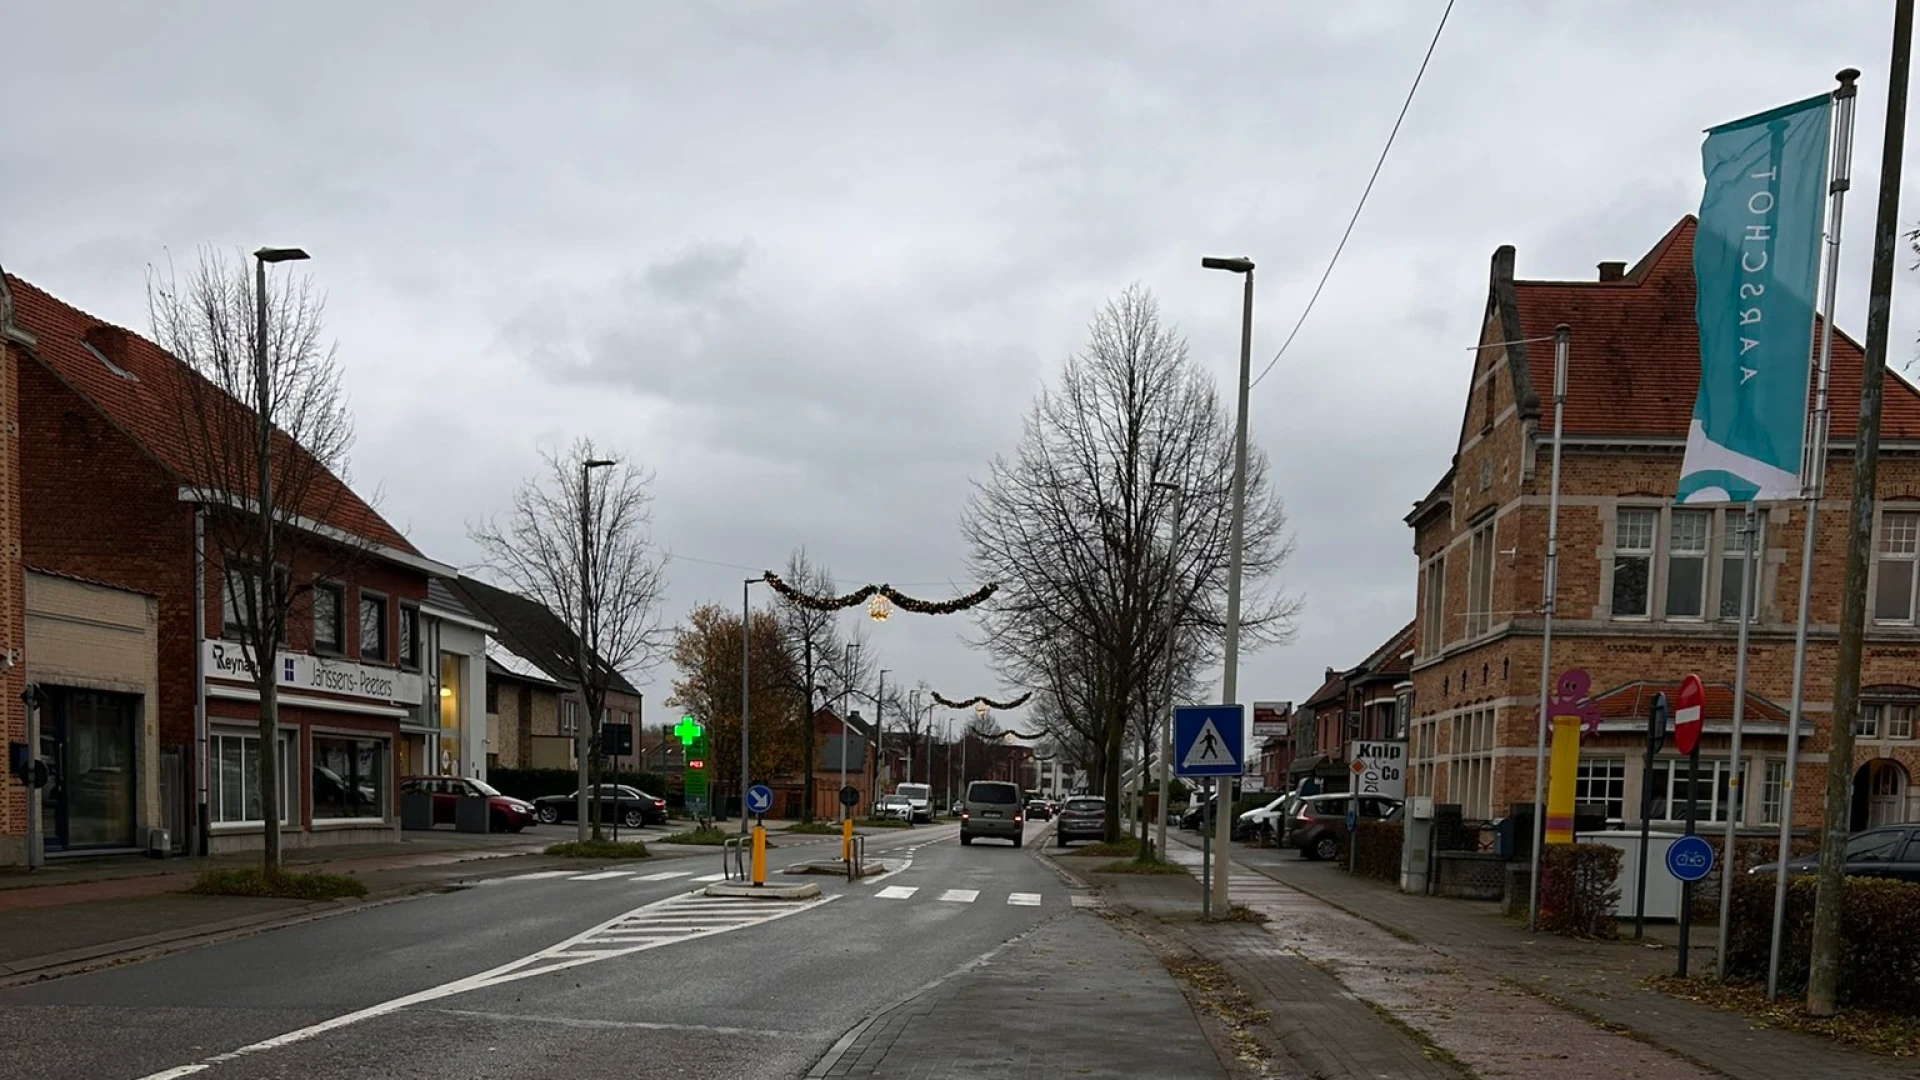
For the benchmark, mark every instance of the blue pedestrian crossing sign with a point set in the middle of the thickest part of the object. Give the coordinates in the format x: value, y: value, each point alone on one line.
x: 1208, y: 740
x: 759, y: 799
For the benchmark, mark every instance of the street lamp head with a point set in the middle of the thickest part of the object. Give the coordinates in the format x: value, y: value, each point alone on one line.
x: 1167, y: 485
x: 274, y: 255
x: 597, y: 463
x: 1235, y: 266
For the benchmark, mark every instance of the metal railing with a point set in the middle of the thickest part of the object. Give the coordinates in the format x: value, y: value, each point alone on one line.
x: 856, y: 857
x: 733, y: 858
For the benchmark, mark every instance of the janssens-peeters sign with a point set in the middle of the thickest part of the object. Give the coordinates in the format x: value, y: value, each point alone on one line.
x: 230, y: 661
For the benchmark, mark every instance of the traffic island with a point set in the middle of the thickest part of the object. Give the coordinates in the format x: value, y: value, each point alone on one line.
x: 740, y: 890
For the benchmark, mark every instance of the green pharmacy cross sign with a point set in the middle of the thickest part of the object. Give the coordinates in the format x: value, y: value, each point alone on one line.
x: 688, y: 729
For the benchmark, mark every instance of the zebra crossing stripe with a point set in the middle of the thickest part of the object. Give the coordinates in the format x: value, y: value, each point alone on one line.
x: 664, y: 875
x: 897, y: 892
x: 1081, y: 900
x: 710, y: 877
x: 960, y: 896
x: 602, y: 875
x: 1024, y: 899
x: 538, y: 875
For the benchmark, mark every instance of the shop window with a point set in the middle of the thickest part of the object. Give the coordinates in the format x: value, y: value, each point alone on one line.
x: 329, y: 617
x: 234, y: 779
x: 349, y: 777
x: 373, y: 626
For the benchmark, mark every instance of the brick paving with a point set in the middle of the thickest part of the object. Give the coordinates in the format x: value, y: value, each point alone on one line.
x: 1595, y: 980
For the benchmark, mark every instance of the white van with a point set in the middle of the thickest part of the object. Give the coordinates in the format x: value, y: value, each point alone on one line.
x: 921, y: 796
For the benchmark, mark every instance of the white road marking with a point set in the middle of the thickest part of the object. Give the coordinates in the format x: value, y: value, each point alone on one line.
x: 1083, y: 900
x: 617, y: 935
x: 539, y: 874
x: 961, y: 896
x: 711, y: 877
x: 897, y: 892
x: 602, y: 875
x: 664, y: 875
x: 1024, y: 899
x: 633, y: 1025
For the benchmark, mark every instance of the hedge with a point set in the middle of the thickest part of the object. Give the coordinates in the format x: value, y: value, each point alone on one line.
x: 534, y: 783
x: 1376, y: 850
x: 1879, y: 950
x: 1579, y: 884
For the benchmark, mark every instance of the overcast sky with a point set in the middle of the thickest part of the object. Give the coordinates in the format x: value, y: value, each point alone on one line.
x: 810, y: 261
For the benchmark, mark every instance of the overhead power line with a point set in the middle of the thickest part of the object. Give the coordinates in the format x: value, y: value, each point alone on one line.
x: 1404, y: 106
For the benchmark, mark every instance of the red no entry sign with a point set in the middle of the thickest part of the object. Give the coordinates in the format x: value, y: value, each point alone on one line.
x: 1689, y: 714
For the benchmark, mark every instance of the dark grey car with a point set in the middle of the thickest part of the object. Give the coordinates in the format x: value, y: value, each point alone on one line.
x: 992, y: 808
x: 1084, y: 817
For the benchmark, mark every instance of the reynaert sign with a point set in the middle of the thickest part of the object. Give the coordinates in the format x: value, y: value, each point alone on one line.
x: 1380, y: 768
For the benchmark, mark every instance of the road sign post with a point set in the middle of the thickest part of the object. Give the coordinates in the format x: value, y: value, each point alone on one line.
x: 1353, y: 833
x: 1689, y: 716
x: 1209, y: 741
x: 849, y: 797
x: 759, y: 800
x: 1656, y: 737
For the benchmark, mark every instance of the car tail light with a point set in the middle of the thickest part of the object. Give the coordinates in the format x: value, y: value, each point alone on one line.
x: 658, y: 803
x: 1016, y: 819
x: 963, y: 815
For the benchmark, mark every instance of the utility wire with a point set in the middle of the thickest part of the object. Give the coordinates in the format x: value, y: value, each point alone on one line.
x: 1352, y: 221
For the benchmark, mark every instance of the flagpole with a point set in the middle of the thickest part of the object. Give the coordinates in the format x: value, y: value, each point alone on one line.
x: 1813, y: 483
x: 1561, y: 334
x: 1736, y: 791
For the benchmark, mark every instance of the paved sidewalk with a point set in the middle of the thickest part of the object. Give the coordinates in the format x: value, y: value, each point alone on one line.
x: 1471, y: 947
x: 1073, y: 998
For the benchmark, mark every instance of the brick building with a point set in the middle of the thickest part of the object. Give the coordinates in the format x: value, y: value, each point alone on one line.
x: 112, y: 495
x: 14, y: 341
x: 1371, y: 701
x: 1647, y: 591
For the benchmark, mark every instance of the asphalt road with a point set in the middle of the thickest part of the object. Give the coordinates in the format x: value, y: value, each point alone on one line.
x: 683, y: 988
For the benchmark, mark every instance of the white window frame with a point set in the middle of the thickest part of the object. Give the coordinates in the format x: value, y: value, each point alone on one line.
x: 1881, y: 557
x: 1610, y: 773
x: 1480, y: 571
x: 217, y: 737
x: 1650, y: 554
x: 1712, y: 771
x: 1433, y: 631
x: 1703, y: 554
x: 1470, y: 772
x: 569, y: 716
x: 1733, y: 555
x: 1773, y: 787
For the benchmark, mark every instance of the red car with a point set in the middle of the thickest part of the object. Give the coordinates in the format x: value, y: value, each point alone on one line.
x: 505, y: 813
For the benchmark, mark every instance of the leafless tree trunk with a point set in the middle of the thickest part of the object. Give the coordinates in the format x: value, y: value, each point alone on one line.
x: 814, y: 637
x: 266, y: 431
x: 572, y: 517
x: 1068, y: 525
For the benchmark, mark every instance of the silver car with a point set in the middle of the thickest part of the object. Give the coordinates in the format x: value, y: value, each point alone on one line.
x: 992, y: 808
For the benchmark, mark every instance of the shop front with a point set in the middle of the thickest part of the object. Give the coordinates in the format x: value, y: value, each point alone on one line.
x: 344, y: 737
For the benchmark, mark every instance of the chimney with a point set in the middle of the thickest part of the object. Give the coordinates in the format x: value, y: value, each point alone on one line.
x: 1612, y: 271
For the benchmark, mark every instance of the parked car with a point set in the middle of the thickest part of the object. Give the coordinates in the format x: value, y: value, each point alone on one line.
x: 504, y: 812
x: 628, y: 805
x: 1198, y: 813
x: 958, y: 805
x: 1259, y: 822
x: 1319, y: 827
x: 1083, y: 817
x: 1892, y: 852
x: 1039, y: 809
x: 992, y: 809
x: 896, y: 808
x: 921, y: 796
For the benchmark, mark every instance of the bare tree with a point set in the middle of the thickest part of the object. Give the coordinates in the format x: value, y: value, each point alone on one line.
x: 266, y: 431
x: 579, y: 541
x: 1069, y: 525
x: 814, y: 638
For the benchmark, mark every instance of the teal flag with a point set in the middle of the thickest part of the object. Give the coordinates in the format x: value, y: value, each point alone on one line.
x: 1756, y: 261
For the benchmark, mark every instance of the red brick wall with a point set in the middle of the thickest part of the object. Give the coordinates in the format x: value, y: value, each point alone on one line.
x: 13, y: 631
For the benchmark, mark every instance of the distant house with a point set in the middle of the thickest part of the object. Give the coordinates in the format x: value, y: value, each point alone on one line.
x: 535, y: 707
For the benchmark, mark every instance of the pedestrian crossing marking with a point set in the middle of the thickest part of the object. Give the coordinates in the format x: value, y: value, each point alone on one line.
x: 664, y: 875
x: 1024, y: 899
x: 1082, y: 900
x: 711, y: 877
x: 539, y: 874
x: 602, y: 875
x: 897, y: 892
x: 960, y: 896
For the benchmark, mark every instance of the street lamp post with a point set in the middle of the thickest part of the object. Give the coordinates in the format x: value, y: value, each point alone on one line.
x: 746, y: 723
x: 586, y: 656
x: 1173, y: 627
x: 1230, y: 690
x: 879, y: 734
x: 845, y: 728
x: 262, y: 454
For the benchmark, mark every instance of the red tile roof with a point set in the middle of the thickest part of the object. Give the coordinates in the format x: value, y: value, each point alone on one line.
x: 1634, y: 364
x: 148, y: 410
x: 1631, y: 701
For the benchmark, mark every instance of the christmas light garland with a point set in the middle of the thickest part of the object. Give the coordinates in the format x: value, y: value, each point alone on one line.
x: 863, y: 593
x: 991, y: 704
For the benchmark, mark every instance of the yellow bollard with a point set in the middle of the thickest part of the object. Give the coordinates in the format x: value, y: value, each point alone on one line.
x: 846, y: 839
x: 1562, y: 767
x: 759, y: 855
